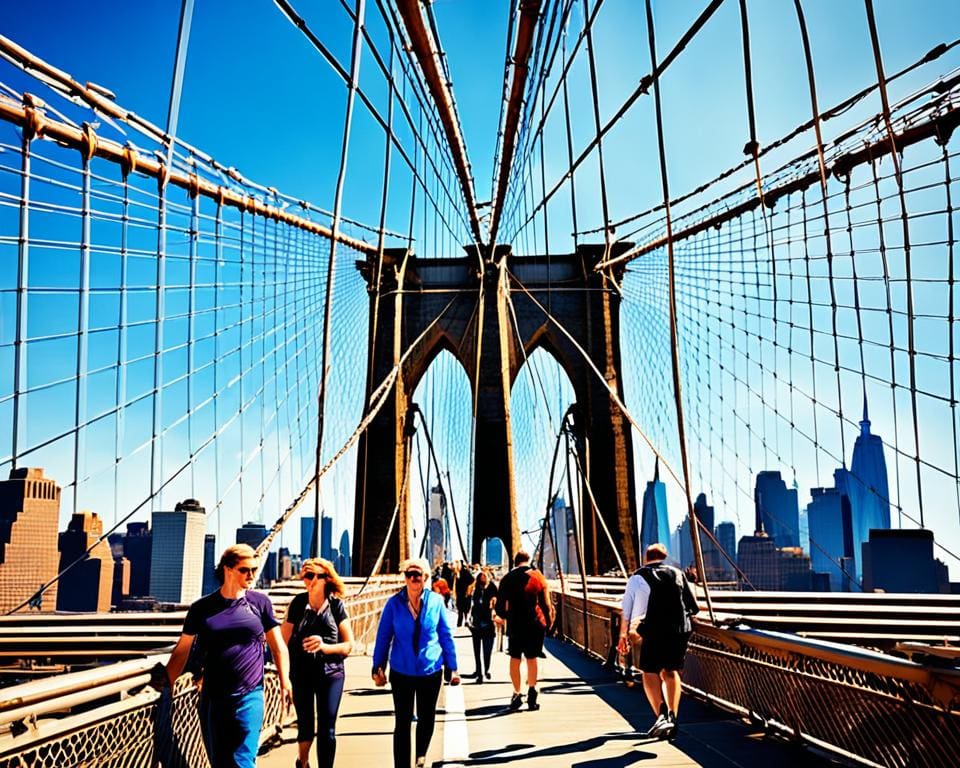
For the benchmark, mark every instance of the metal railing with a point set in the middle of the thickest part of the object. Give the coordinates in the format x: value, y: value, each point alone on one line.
x: 110, y: 716
x: 863, y: 706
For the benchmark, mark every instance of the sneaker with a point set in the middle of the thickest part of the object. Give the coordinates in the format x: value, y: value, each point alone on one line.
x: 516, y: 702
x: 672, y: 735
x: 479, y: 679
x: 421, y: 762
x: 532, y: 699
x: 660, y: 728
x: 488, y: 675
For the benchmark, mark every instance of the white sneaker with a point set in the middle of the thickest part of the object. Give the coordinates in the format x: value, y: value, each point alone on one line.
x: 661, y: 727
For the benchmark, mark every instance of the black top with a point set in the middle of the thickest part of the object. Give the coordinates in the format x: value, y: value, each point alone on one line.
x: 308, y: 622
x: 523, y: 599
x: 671, y: 602
x: 482, y: 616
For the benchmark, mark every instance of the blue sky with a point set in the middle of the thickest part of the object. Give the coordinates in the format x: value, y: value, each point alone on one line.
x: 258, y: 97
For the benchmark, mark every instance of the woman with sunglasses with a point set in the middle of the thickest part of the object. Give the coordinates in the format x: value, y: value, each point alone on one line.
x: 317, y: 630
x: 229, y: 627
x: 415, y: 633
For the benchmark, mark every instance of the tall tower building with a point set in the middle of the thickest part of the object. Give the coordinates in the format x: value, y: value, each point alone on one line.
x: 176, y: 562
x: 344, y: 562
x: 759, y: 560
x: 654, y: 523
x: 726, y: 534
x: 88, y: 585
x: 29, y: 512
x: 306, y: 536
x: 778, y: 513
x: 867, y: 487
x: 138, y: 549
x: 831, y: 536
x: 327, y: 552
x: 210, y: 559
x: 252, y: 534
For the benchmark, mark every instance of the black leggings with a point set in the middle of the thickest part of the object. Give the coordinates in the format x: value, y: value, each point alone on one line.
x: 405, y: 688
x: 486, y: 640
x: 325, y: 689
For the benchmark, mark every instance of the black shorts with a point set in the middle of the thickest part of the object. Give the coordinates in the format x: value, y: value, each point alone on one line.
x: 528, y: 643
x: 663, y: 651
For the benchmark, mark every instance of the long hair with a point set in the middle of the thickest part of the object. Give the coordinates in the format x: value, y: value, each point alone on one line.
x: 231, y: 556
x: 334, y: 585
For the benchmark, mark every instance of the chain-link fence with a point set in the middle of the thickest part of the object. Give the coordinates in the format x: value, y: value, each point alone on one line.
x: 110, y: 717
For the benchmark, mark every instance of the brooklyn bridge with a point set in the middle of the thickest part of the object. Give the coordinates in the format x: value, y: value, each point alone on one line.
x: 373, y: 280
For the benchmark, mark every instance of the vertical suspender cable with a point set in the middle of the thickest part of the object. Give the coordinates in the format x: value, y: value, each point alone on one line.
x: 674, y: 341
x: 328, y: 298
x: 908, y: 270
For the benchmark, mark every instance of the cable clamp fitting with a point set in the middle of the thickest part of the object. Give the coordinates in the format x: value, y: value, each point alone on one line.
x: 88, y: 142
x: 33, y: 112
x: 128, y: 161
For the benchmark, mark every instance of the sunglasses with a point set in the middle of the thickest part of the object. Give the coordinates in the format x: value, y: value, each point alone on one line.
x: 310, y: 576
x: 415, y: 575
x: 247, y: 571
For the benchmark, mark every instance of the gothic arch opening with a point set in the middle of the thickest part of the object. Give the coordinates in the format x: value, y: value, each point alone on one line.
x: 541, y: 394
x: 438, y: 502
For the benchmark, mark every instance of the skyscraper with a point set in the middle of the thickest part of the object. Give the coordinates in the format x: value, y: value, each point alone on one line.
x: 902, y: 561
x: 284, y: 564
x: 867, y: 487
x: 327, y: 552
x: 29, y: 512
x: 344, y: 564
x: 176, y: 557
x: 778, y: 513
x: 726, y: 534
x: 654, y: 523
x: 831, y: 537
x: 210, y: 559
x: 138, y: 549
x: 795, y: 572
x: 306, y: 536
x: 252, y: 534
x: 759, y: 560
x: 88, y: 585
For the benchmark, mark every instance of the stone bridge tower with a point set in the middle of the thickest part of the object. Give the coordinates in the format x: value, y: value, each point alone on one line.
x: 439, y: 304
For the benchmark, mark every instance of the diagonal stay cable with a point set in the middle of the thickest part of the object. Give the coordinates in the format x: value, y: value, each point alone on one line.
x: 379, y: 396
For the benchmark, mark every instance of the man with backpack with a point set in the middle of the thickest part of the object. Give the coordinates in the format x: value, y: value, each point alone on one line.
x: 656, y: 610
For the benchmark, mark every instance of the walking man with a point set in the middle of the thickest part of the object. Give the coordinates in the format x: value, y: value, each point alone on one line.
x: 656, y: 611
x: 525, y: 603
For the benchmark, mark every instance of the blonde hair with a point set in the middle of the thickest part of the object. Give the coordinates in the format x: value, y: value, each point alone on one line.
x: 416, y: 562
x: 335, y: 585
x: 231, y: 556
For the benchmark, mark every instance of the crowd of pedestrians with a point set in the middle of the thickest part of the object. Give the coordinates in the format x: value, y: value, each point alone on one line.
x: 224, y: 635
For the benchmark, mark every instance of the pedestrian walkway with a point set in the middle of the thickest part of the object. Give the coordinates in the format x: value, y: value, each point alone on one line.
x: 587, y: 720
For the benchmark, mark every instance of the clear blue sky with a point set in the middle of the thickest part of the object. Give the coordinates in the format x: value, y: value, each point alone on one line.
x: 258, y: 97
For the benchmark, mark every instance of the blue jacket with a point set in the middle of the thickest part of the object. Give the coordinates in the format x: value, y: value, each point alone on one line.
x: 395, y: 634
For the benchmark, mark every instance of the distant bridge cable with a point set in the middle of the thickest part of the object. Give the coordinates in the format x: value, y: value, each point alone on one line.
x: 428, y: 52
x: 907, y: 253
x: 642, y: 89
x: 529, y: 16
x: 674, y: 335
x: 331, y: 263
x: 300, y: 23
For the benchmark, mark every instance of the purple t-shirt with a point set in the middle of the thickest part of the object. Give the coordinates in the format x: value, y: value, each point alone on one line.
x: 230, y: 635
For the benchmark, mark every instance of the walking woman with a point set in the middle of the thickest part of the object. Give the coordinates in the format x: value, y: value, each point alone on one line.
x: 229, y: 627
x: 415, y: 634
x: 482, y: 600
x: 317, y: 630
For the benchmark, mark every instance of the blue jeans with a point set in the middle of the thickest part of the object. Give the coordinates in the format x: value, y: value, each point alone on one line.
x: 231, y: 728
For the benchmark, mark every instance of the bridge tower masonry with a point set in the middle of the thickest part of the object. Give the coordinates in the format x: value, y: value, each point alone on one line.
x: 491, y: 310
